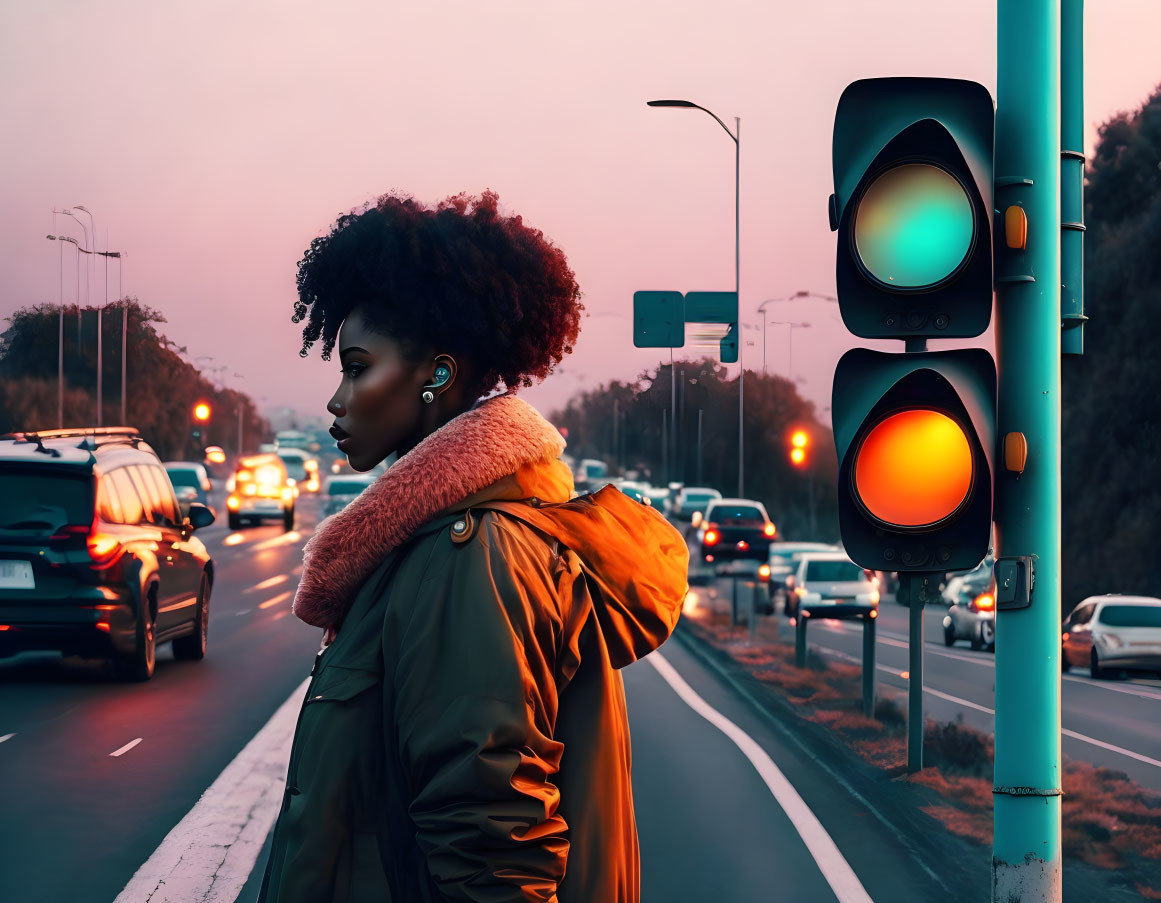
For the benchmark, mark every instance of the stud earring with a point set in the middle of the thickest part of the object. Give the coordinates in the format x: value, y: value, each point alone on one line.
x: 429, y: 396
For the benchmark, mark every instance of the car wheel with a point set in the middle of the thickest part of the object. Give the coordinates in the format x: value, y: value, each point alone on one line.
x: 1064, y: 665
x: 976, y: 641
x: 192, y: 648
x: 1095, y: 669
x: 988, y: 635
x: 949, y: 635
x: 235, y: 521
x: 288, y: 521
x: 139, y: 666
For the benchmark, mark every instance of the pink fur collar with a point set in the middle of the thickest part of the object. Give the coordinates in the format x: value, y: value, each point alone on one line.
x: 466, y: 454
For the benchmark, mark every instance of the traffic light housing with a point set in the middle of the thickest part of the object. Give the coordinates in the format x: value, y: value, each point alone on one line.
x: 916, y: 437
x: 799, y: 446
x: 915, y: 432
x: 913, y: 207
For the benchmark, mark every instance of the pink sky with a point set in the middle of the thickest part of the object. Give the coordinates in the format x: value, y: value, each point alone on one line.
x: 214, y: 139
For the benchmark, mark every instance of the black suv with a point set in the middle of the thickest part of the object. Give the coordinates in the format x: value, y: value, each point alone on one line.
x: 95, y: 556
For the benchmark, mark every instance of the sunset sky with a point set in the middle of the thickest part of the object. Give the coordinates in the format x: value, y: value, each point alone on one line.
x: 214, y: 140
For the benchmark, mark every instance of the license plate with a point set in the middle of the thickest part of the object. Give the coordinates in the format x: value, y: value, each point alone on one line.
x: 16, y: 575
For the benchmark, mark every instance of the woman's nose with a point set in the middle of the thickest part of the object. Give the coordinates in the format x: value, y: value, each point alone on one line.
x: 336, y: 407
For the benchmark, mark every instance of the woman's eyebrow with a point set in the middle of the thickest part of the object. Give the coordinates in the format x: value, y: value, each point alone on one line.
x: 352, y: 348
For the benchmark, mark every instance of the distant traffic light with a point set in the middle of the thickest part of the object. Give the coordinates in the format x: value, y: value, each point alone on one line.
x: 799, y: 443
x: 915, y: 432
x: 201, y: 412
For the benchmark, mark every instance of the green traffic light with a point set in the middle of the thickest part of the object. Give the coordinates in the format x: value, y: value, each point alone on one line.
x: 914, y: 226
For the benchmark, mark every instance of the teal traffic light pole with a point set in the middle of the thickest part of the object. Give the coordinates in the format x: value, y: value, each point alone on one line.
x: 1026, y: 862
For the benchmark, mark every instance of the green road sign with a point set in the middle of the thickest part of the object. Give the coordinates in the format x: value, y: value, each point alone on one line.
x: 658, y: 320
x: 711, y: 307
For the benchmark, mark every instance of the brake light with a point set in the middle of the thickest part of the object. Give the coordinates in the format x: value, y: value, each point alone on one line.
x: 764, y: 572
x: 711, y: 537
x: 232, y: 502
x: 244, y: 475
x: 768, y: 529
x: 985, y: 602
x: 102, y: 547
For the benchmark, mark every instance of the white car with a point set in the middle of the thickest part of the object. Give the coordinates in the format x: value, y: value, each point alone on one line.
x: 829, y: 584
x: 1112, y: 633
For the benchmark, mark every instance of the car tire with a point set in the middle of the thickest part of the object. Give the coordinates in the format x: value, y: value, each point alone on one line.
x: 1095, y: 670
x: 288, y: 521
x: 976, y: 641
x: 988, y: 636
x: 192, y: 648
x: 139, y: 666
x: 235, y: 521
x: 949, y: 635
x: 1064, y: 665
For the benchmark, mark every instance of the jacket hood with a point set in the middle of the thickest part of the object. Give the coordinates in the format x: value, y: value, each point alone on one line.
x: 504, y: 454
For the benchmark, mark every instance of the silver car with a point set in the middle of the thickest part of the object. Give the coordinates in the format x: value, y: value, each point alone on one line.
x: 342, y: 490
x: 829, y: 584
x: 1113, y: 633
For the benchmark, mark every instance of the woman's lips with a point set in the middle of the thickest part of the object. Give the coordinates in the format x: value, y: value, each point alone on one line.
x: 343, y: 444
x: 341, y: 436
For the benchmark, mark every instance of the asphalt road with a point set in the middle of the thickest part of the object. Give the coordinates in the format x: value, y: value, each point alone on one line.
x: 1110, y: 723
x: 98, y: 774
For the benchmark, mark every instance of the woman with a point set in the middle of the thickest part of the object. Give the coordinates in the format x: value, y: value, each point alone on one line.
x: 464, y: 736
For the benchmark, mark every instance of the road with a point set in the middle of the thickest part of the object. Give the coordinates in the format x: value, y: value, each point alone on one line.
x: 102, y: 776
x: 1110, y: 723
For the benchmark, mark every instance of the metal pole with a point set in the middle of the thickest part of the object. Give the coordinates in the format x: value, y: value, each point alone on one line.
x: 60, y: 342
x: 124, y: 334
x: 699, y: 446
x: 763, y: 341
x: 100, y: 365
x: 1026, y: 844
x: 753, y: 622
x: 616, y: 415
x: 241, y: 415
x: 738, y: 292
x: 664, y: 444
x: 800, y: 619
x: 869, y: 664
x: 915, y: 601
x: 1072, y: 176
x: 673, y: 415
x: 682, y: 456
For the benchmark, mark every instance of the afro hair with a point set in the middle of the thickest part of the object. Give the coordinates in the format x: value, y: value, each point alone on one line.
x: 459, y: 279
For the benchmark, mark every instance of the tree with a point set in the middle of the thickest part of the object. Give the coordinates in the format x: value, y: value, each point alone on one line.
x: 1111, y: 423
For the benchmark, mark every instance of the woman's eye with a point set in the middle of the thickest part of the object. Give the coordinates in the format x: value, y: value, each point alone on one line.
x: 352, y: 370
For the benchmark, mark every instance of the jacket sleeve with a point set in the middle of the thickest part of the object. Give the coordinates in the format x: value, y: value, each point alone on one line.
x: 475, y: 708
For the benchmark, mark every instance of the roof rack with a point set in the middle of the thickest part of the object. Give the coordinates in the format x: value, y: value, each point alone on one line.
x: 77, y: 431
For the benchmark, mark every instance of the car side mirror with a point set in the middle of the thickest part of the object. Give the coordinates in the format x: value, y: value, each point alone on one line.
x: 200, y: 516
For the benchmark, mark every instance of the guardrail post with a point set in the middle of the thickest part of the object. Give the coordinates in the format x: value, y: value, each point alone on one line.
x: 869, y: 621
x: 800, y: 619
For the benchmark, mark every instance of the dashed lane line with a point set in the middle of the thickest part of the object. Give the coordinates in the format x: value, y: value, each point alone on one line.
x: 210, y: 854
x: 835, y: 869
x: 124, y: 749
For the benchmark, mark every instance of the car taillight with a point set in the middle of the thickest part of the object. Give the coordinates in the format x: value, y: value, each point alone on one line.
x: 232, y: 502
x: 768, y: 529
x: 764, y: 572
x: 985, y: 602
x: 711, y: 537
x: 102, y: 547
x: 70, y: 531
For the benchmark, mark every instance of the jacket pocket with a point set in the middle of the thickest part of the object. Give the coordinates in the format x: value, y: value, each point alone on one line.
x: 337, y: 684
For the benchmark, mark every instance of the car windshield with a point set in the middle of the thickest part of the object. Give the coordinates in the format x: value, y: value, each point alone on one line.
x: 43, y: 500
x: 183, y: 476
x: 295, y: 468
x: 1131, y: 615
x: 834, y: 571
x: 736, y: 514
x: 698, y: 496
x: 346, y: 487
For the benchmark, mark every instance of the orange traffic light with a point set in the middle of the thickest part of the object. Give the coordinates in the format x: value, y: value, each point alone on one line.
x: 799, y: 439
x: 797, y: 455
x: 201, y: 411
x: 799, y: 442
x: 914, y: 469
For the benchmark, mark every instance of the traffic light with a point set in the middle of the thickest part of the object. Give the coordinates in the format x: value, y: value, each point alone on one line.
x: 915, y: 432
x: 201, y: 418
x: 201, y: 412
x: 799, y: 443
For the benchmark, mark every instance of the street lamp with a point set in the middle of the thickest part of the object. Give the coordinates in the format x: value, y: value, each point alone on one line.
x: 736, y: 136
x: 91, y: 241
x: 790, y: 344
x: 60, y: 336
x: 106, y: 254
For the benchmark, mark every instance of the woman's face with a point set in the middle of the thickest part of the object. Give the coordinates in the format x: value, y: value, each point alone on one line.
x: 378, y: 409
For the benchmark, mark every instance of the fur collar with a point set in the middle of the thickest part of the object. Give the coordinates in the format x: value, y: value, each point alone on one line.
x: 491, y: 445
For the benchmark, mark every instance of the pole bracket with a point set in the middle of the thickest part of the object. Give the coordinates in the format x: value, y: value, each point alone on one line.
x: 1028, y: 791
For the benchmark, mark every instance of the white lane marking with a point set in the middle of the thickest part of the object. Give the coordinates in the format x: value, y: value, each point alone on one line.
x: 838, y: 874
x: 281, y: 597
x: 1084, y: 738
x: 266, y: 584
x: 986, y: 661
x: 211, y: 852
x: 6, y: 737
x: 244, y: 611
x: 126, y: 747
x: 1110, y: 747
x: 284, y: 540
